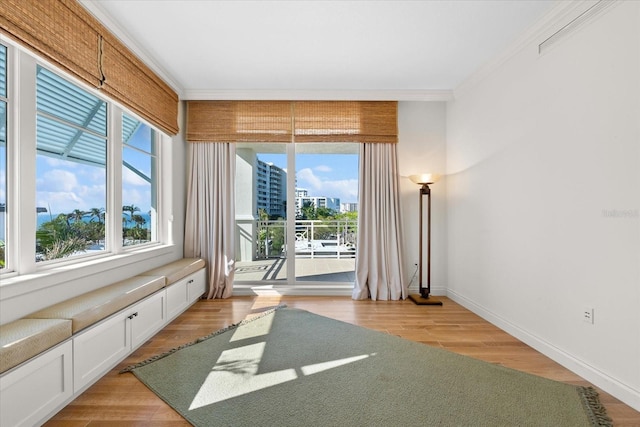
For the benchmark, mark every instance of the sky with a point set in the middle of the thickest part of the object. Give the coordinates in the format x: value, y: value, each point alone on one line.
x: 329, y: 175
x: 63, y: 186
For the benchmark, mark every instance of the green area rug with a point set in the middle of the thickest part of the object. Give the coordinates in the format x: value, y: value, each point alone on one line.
x: 289, y: 367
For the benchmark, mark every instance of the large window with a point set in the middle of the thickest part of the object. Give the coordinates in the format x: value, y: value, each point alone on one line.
x: 71, y: 160
x: 3, y: 156
x: 139, y: 195
x: 83, y: 182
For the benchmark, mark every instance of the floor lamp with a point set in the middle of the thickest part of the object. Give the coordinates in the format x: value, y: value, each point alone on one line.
x: 423, y: 298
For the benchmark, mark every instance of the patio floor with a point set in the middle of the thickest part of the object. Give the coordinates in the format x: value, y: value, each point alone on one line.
x: 329, y: 270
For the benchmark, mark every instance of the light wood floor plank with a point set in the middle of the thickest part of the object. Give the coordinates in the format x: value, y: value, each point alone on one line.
x: 120, y: 399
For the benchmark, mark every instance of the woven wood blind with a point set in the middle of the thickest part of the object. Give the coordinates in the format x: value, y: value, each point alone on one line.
x: 66, y: 34
x: 238, y: 121
x: 61, y: 31
x: 130, y: 82
x: 346, y: 121
x: 287, y: 121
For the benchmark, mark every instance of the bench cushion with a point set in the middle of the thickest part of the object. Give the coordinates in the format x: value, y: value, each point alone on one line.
x: 176, y: 270
x: 22, y: 339
x: 87, y: 309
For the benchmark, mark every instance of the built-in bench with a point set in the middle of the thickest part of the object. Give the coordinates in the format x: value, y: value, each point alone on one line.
x: 88, y: 309
x: 49, y: 357
x: 23, y: 339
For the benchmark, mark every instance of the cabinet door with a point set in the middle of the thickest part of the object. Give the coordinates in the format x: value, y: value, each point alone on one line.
x: 147, y: 318
x: 196, y: 285
x: 97, y: 350
x: 177, y: 298
x: 36, y: 389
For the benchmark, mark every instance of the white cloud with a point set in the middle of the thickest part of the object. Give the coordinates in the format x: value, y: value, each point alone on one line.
x: 139, y: 198
x: 63, y: 191
x: 56, y: 162
x: 323, y: 168
x: 57, y: 180
x: 58, y: 202
x: 344, y: 189
x: 306, y: 175
x: 130, y: 178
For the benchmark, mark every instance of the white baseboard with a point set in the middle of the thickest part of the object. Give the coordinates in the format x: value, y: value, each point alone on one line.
x: 621, y: 391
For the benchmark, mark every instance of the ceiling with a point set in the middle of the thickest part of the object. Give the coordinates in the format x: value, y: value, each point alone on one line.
x: 207, y: 48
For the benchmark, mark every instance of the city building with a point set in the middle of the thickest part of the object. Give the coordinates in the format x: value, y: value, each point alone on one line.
x: 302, y: 197
x: 348, y: 207
x: 271, y: 189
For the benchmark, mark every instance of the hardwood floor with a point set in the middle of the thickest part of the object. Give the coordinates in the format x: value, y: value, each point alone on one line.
x: 120, y: 399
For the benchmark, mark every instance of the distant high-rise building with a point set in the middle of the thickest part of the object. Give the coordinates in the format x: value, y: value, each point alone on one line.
x: 302, y: 197
x: 348, y: 207
x: 271, y: 189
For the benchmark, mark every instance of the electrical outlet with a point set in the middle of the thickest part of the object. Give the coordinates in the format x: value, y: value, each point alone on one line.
x: 587, y: 315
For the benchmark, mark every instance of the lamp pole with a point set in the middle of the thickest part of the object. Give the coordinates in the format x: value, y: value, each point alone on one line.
x: 425, y: 190
x: 423, y: 298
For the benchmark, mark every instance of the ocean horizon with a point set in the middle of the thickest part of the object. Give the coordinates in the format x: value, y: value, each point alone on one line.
x: 46, y: 217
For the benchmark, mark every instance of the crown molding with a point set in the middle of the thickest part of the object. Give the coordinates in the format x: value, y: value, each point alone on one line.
x: 563, y: 13
x: 319, y: 95
x: 98, y: 12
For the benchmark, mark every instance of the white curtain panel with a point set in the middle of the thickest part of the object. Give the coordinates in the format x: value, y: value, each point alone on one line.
x: 210, y: 215
x: 379, y: 274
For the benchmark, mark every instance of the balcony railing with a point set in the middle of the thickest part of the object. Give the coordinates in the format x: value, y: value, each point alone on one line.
x: 313, y: 239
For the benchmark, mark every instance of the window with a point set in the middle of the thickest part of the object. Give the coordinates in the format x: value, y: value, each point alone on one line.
x: 139, y: 195
x: 296, y: 228
x: 71, y: 161
x: 3, y: 156
x: 70, y: 158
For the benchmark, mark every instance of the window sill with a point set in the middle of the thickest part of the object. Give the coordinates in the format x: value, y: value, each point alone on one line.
x: 14, y: 284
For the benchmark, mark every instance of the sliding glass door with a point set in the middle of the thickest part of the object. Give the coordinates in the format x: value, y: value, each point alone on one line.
x: 297, y: 228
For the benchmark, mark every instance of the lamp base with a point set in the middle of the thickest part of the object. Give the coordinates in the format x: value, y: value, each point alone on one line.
x: 420, y: 300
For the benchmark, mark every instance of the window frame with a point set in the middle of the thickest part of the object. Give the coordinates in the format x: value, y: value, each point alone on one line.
x: 155, y: 179
x: 21, y: 187
x: 8, y: 266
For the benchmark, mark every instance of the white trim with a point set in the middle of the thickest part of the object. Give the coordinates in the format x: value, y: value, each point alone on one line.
x: 319, y: 95
x: 613, y: 386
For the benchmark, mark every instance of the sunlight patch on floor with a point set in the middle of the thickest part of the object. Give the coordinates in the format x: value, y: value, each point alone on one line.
x: 236, y: 373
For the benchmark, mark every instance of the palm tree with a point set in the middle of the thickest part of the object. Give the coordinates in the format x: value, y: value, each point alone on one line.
x: 129, y: 210
x: 77, y: 215
x: 97, y: 213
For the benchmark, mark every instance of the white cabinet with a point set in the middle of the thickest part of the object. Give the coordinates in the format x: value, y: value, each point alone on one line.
x: 148, y: 318
x: 196, y: 285
x: 184, y: 292
x: 100, y: 348
x: 36, y: 389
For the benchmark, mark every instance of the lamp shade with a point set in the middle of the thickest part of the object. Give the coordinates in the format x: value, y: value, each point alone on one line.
x: 425, y: 178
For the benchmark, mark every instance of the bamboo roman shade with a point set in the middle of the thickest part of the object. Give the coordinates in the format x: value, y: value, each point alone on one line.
x: 292, y: 121
x: 238, y: 121
x: 66, y: 34
x: 129, y: 81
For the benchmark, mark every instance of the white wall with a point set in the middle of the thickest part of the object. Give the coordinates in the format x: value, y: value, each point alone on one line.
x: 422, y: 149
x: 543, y: 191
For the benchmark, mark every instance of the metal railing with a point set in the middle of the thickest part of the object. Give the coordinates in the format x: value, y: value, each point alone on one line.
x: 313, y: 238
